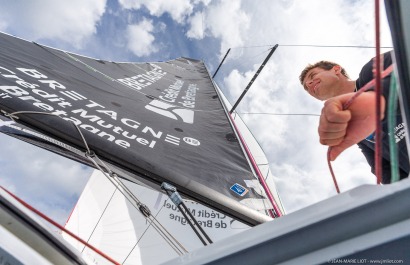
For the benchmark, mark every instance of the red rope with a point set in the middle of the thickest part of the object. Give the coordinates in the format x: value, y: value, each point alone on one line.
x: 379, y: 66
x: 28, y: 206
x: 329, y: 164
x: 366, y: 87
x: 347, y: 104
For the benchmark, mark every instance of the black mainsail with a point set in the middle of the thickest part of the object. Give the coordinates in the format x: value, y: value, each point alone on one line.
x: 150, y: 122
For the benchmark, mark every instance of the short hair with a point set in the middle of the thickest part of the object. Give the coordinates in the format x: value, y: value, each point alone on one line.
x: 326, y: 65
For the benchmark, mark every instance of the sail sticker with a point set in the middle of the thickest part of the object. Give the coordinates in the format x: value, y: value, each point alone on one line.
x: 239, y: 189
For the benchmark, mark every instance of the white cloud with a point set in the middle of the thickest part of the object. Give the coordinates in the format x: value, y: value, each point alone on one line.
x: 177, y: 9
x: 196, y: 30
x: 69, y: 21
x: 205, y: 2
x: 228, y: 22
x: 140, y: 38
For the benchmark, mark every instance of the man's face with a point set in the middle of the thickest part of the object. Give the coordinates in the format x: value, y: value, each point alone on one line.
x: 322, y: 84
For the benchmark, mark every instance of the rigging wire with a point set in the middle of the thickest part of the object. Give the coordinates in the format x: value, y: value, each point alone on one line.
x: 142, y: 235
x: 313, y: 46
x: 279, y: 114
x: 113, y: 178
x: 254, y: 56
x: 172, y: 241
x: 45, y: 217
x: 99, y: 219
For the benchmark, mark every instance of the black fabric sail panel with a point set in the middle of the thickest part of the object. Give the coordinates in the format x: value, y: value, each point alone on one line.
x: 157, y: 122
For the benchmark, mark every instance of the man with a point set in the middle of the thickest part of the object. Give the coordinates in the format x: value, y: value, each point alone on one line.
x: 356, y: 125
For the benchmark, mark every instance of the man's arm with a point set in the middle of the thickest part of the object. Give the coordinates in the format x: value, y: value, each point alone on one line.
x: 343, y: 128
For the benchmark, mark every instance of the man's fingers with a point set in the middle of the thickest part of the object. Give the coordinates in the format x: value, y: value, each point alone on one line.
x: 332, y: 140
x: 333, y: 123
x: 334, y: 113
x: 327, y: 127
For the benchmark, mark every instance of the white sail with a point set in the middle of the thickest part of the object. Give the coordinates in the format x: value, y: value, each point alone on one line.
x: 105, y: 219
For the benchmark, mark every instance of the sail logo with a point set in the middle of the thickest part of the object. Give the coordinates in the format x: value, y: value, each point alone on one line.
x: 191, y: 141
x: 239, y: 189
x: 171, y: 111
x: 140, y: 81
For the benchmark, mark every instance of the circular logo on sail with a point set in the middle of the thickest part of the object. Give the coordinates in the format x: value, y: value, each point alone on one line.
x: 191, y: 141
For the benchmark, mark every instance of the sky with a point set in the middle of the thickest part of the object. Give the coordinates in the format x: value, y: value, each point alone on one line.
x: 160, y: 30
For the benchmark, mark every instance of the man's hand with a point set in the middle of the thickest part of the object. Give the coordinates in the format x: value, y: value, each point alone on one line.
x: 343, y: 128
